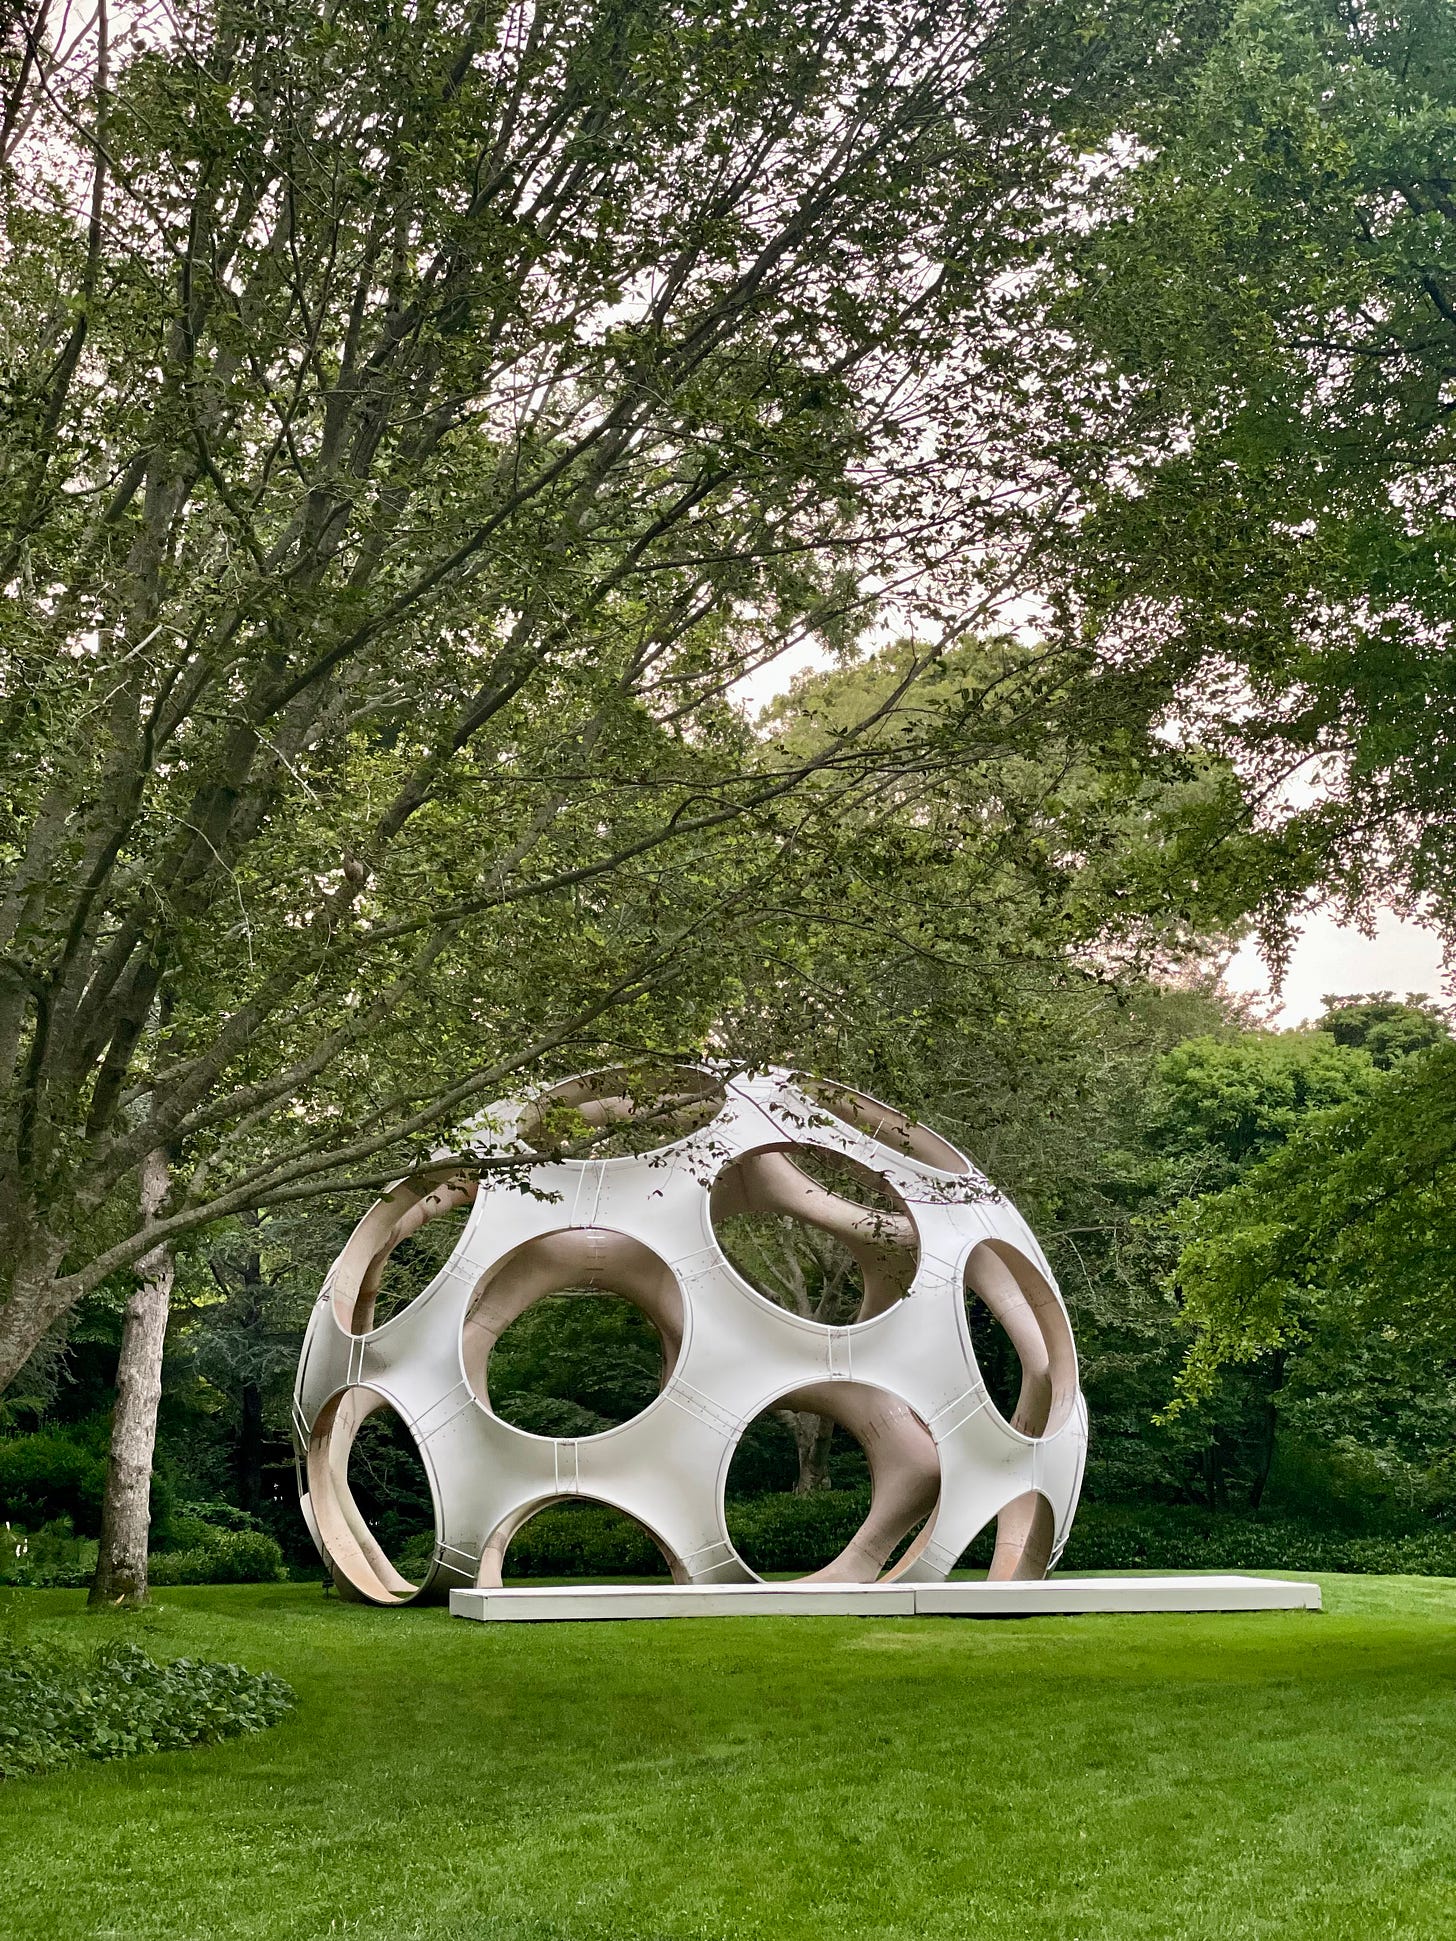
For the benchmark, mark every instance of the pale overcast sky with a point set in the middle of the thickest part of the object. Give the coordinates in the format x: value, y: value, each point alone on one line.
x: 1400, y: 957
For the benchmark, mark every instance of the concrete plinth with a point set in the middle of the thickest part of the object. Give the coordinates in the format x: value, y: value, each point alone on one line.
x: 1049, y: 1597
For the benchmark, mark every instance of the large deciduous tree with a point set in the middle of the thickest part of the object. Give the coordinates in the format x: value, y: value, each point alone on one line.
x: 1262, y: 303
x: 417, y: 418
x: 1340, y: 1245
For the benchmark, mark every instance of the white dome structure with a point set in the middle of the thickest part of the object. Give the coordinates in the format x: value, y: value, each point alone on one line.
x: 901, y: 1375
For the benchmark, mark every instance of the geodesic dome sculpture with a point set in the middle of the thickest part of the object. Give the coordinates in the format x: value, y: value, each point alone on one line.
x: 932, y: 1244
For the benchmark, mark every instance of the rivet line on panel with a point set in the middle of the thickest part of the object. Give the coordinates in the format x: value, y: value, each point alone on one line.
x: 440, y: 1414
x: 939, y: 1556
x: 931, y: 1267
x: 694, y: 1402
x: 841, y: 1353
x: 447, y: 1553
x: 688, y: 1266
x: 712, y: 1556
x: 588, y: 1194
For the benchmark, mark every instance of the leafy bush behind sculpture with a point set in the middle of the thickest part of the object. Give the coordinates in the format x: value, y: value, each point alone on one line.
x: 783, y: 1532
x: 200, y: 1551
x: 224, y: 1557
x: 50, y: 1475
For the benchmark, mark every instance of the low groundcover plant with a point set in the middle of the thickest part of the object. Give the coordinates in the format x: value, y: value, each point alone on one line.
x: 59, y: 1706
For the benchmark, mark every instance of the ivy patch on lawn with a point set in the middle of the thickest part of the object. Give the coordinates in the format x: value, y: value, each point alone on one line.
x: 59, y: 1706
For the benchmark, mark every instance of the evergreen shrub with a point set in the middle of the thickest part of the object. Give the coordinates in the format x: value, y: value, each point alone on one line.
x: 47, y: 1476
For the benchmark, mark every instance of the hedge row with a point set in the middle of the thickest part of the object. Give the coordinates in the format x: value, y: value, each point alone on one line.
x: 584, y: 1540
x: 800, y: 1533
x: 781, y: 1533
x: 55, y: 1558
x: 60, y: 1706
x: 1112, y: 1536
x: 224, y: 1557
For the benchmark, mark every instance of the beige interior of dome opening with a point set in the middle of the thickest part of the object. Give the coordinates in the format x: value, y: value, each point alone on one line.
x: 883, y: 1245
x: 1021, y: 1299
x: 576, y: 1257
x: 359, y: 1566
x: 675, y: 1100
x: 1018, y: 1294
x: 883, y: 1122
x: 1024, y: 1533
x: 354, y: 1286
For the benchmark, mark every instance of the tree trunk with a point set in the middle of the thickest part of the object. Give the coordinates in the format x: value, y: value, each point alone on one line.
x: 250, y: 1449
x: 1271, y: 1430
x: 31, y: 1307
x: 248, y: 1459
x: 126, y: 1513
x: 812, y: 1436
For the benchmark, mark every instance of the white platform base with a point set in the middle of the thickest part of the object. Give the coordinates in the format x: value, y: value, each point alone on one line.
x: 1052, y: 1597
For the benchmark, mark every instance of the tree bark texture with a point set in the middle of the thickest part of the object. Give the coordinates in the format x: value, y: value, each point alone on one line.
x: 126, y: 1514
x: 812, y: 1435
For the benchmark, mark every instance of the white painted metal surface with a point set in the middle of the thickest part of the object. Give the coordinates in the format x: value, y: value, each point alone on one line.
x: 902, y: 1376
x: 1051, y: 1597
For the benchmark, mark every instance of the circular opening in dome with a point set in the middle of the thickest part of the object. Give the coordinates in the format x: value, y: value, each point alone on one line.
x: 816, y: 1233
x: 573, y: 1333
x: 1021, y: 1339
x: 583, y: 1541
x: 883, y: 1123
x: 623, y: 1112
x: 575, y: 1363
x: 793, y: 1452
x: 836, y: 1482
x: 1016, y: 1545
x: 371, y: 1497
x: 414, y: 1261
x: 399, y: 1247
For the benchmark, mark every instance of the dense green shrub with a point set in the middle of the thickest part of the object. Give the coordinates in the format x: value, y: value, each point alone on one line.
x: 51, y: 1558
x: 1109, y: 1536
x: 781, y: 1531
x: 60, y: 1706
x: 47, y: 1476
x: 584, y: 1540
x: 55, y: 1558
x: 189, y: 1524
x: 222, y: 1557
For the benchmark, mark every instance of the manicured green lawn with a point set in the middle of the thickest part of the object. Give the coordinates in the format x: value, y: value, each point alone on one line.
x: 1081, y: 1779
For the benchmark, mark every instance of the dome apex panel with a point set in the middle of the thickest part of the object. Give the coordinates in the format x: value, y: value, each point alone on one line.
x: 786, y: 1241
